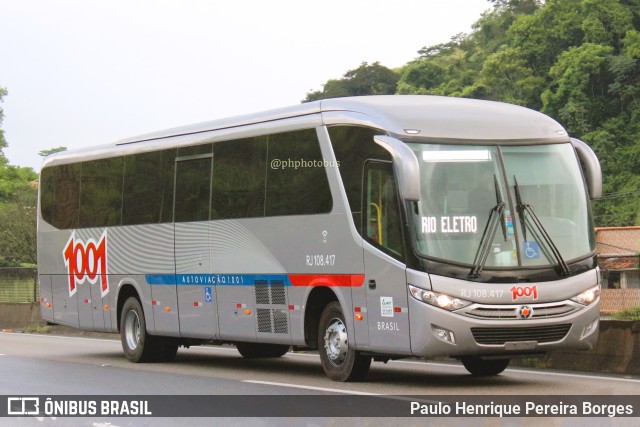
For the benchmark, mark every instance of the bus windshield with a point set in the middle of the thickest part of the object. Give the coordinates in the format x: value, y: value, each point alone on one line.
x: 501, y: 206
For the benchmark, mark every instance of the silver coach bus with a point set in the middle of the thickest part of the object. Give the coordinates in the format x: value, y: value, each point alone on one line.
x: 366, y: 228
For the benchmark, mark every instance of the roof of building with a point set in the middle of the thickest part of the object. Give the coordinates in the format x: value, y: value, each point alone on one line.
x: 618, y: 241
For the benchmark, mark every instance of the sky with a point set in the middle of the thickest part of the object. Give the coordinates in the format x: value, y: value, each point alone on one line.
x: 89, y: 72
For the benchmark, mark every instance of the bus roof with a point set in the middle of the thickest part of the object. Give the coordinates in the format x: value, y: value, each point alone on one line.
x: 432, y: 117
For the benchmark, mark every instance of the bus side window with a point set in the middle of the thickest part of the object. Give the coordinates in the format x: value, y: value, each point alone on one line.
x: 60, y: 203
x: 383, y: 222
x: 239, y: 175
x: 101, y: 193
x: 296, y: 182
x: 352, y: 146
x: 192, y: 189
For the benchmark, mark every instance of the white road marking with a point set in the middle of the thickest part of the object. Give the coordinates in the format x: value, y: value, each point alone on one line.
x: 582, y: 376
x: 307, y: 387
x: 523, y: 371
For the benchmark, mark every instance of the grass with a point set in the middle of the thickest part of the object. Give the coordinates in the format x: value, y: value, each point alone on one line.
x: 632, y: 313
x: 37, y: 328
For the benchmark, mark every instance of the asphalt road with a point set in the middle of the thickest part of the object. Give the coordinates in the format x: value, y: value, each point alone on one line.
x: 60, y: 365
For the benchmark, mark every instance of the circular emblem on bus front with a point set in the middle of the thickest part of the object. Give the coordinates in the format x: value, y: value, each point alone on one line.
x: 524, y: 312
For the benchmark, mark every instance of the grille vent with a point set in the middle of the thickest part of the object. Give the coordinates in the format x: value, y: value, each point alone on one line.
x: 271, y: 307
x: 509, y: 312
x: 500, y: 336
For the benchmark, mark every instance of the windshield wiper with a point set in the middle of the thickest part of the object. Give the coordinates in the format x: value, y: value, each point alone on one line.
x: 521, y: 208
x: 496, y: 214
x: 499, y: 200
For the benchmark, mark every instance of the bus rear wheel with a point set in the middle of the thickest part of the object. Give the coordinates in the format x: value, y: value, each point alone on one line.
x: 138, y: 345
x: 256, y: 350
x: 484, y: 368
x: 340, y: 361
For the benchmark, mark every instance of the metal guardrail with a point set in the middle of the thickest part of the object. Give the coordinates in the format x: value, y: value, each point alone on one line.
x: 19, y: 285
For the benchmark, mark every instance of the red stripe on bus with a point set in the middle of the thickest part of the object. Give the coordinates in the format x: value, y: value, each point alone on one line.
x: 326, y: 279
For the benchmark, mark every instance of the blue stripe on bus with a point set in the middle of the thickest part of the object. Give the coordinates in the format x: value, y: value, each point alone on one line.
x: 216, y: 279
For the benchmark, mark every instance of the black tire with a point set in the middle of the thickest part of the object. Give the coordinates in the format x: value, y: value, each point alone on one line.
x: 484, y: 368
x: 256, y: 350
x: 167, y: 349
x: 340, y: 361
x: 138, y: 345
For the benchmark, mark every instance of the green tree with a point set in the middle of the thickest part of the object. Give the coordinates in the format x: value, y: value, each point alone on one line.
x: 13, y: 180
x: 478, y: 65
x: 606, y: 21
x: 508, y: 77
x: 18, y: 229
x: 578, y: 94
x: 374, y: 79
x: 3, y: 142
x: 545, y: 34
x: 424, y: 76
x: 443, y: 69
x: 18, y: 193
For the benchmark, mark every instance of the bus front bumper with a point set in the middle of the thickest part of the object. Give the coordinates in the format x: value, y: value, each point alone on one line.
x: 443, y: 333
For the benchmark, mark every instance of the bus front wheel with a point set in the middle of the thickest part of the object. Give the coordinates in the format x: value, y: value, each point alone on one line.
x: 484, y: 368
x: 340, y: 361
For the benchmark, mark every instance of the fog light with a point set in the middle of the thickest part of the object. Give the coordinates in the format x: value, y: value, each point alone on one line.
x: 589, y: 329
x: 443, y: 334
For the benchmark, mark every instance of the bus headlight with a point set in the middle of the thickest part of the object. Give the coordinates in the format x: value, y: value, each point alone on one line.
x: 588, y: 296
x: 439, y: 300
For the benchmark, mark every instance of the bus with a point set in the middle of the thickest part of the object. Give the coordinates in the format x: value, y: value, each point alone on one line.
x: 366, y: 228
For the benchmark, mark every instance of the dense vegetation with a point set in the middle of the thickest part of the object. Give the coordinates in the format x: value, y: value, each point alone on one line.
x: 576, y: 60
x: 18, y: 192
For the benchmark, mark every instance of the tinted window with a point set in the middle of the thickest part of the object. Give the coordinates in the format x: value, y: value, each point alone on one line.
x: 296, y: 179
x: 148, y: 187
x: 193, y: 189
x: 139, y: 189
x: 352, y: 147
x: 60, y: 195
x: 239, y: 178
x: 195, y: 150
x: 101, y: 193
x: 169, y: 166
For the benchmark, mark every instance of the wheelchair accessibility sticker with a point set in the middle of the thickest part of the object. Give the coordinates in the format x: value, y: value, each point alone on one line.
x: 531, y: 250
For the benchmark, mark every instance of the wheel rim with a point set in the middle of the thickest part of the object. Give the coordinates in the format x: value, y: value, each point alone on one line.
x: 335, y: 342
x: 132, y: 329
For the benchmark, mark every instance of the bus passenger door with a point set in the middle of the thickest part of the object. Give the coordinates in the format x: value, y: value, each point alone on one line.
x: 385, y: 271
x: 194, y: 283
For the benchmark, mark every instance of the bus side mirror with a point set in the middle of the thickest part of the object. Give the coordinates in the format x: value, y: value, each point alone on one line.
x: 593, y: 173
x: 405, y: 164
